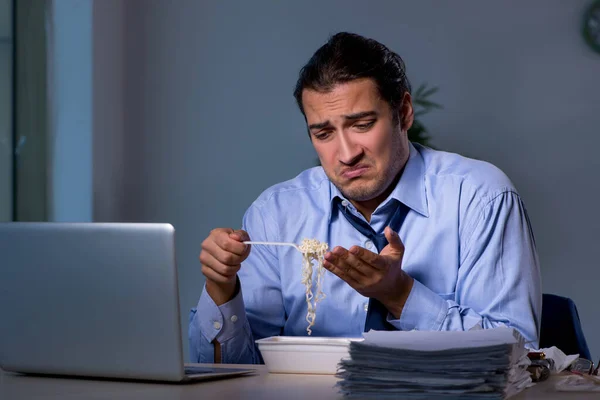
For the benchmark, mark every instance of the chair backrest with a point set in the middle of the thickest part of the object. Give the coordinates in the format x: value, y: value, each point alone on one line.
x: 561, y: 326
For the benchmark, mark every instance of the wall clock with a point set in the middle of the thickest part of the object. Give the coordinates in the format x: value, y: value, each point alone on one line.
x: 591, y: 26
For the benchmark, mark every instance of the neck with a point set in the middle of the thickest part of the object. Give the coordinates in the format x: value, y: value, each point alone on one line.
x: 367, y: 207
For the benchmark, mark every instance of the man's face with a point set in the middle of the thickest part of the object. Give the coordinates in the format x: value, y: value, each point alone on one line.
x: 358, y: 144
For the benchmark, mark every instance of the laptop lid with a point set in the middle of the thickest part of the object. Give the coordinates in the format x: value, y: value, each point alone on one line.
x: 90, y: 299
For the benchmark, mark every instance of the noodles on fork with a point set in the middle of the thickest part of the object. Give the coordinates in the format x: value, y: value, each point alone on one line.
x: 312, y: 250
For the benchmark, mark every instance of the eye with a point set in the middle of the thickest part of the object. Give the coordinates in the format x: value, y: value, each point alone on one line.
x: 322, y: 135
x: 364, y: 126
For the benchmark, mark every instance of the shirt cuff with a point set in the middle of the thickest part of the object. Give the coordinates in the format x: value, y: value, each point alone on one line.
x: 424, y: 310
x: 221, y: 322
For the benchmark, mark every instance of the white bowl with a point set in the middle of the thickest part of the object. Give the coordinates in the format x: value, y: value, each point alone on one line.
x: 303, y: 355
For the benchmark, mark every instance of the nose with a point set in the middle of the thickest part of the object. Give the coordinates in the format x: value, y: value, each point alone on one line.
x: 349, y: 151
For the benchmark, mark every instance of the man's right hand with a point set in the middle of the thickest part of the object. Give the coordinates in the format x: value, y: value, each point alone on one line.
x: 221, y: 257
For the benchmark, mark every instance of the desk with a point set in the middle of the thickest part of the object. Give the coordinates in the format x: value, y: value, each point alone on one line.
x: 262, y: 386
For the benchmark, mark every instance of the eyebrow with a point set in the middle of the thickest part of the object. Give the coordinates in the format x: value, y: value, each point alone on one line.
x: 351, y: 117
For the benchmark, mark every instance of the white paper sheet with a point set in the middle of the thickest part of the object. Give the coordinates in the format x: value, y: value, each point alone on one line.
x: 440, y: 340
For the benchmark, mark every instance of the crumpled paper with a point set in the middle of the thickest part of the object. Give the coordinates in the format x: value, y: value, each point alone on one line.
x: 561, y: 360
x: 570, y: 383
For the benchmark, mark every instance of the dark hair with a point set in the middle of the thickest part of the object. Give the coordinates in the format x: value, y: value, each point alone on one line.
x: 348, y: 56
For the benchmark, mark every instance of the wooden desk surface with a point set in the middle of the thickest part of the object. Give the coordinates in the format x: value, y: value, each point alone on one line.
x: 262, y: 386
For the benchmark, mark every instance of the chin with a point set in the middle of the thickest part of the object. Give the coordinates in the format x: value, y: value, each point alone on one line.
x: 359, y: 192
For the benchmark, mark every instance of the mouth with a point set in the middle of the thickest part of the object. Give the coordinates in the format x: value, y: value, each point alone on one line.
x: 354, y: 172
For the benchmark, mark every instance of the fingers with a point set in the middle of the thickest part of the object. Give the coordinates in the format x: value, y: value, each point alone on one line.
x: 395, y: 245
x: 227, y: 257
x: 214, y: 276
x: 209, y: 261
x: 347, y: 261
x: 228, y: 240
x: 373, y: 259
x: 355, y: 266
x: 357, y: 258
x: 239, y: 235
x: 344, y: 273
x: 222, y: 254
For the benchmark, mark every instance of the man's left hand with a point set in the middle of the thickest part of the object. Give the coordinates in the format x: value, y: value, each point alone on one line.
x: 379, y: 276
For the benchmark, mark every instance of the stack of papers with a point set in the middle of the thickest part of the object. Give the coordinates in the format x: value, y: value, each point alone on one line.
x: 478, y: 364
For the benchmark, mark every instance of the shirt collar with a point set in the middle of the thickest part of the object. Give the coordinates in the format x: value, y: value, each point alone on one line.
x: 410, y: 189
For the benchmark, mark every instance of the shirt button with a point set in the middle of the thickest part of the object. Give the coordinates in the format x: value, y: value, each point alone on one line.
x: 234, y: 318
x: 217, y: 325
x: 345, y: 203
x: 366, y: 306
x: 368, y: 245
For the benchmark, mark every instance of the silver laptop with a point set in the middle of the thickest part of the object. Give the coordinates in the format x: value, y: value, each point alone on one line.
x: 95, y: 300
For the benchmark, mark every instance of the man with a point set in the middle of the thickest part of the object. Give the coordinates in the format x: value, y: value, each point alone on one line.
x: 421, y: 239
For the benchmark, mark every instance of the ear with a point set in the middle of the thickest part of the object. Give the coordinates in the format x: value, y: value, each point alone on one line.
x: 407, y: 112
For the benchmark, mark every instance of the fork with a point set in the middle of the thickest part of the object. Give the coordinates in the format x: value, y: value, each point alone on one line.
x: 275, y: 244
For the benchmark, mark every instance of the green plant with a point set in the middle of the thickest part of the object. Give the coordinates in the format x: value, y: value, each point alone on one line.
x: 422, y: 105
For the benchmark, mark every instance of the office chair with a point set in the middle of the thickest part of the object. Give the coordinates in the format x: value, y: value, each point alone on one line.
x: 561, y: 326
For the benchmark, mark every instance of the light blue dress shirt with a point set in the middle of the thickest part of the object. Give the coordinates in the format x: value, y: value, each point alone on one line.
x: 468, y: 245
